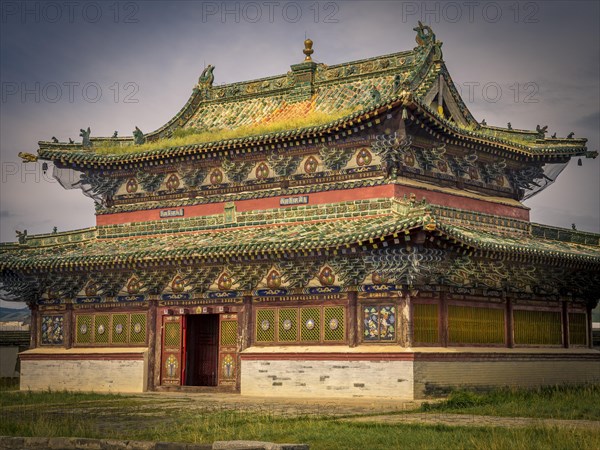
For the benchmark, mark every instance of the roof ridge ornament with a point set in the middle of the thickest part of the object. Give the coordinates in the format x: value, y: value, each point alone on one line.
x: 308, y: 50
x: 426, y: 39
x: 425, y: 35
x: 207, y: 77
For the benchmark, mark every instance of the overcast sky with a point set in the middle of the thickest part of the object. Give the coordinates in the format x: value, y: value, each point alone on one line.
x: 117, y: 65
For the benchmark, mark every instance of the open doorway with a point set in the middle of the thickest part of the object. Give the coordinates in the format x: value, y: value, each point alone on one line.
x: 202, y: 350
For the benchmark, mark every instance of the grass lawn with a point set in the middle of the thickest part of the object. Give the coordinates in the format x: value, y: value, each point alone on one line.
x: 555, y: 402
x: 144, y: 418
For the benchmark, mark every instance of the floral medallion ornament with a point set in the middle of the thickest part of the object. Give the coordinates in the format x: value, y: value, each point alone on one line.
x: 83, y: 328
x: 409, y: 159
x: 91, y: 289
x: 309, y: 324
x: 499, y: 180
x: 364, y: 157
x: 137, y: 328
x: 100, y: 329
x: 287, y: 324
x: 171, y: 366
x: 311, y: 164
x: 379, y: 278
x: 334, y: 324
x: 273, y: 279
x: 131, y: 186
x: 119, y: 328
x: 177, y: 285
x: 216, y: 177
x: 173, y: 182
x: 326, y: 276
x: 225, y: 281
x: 133, y: 286
x: 265, y: 325
x: 262, y: 171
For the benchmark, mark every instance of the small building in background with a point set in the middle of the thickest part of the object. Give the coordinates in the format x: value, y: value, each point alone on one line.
x: 14, y: 338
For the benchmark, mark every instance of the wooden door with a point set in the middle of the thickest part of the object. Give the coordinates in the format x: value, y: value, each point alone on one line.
x: 228, y: 350
x: 172, y: 360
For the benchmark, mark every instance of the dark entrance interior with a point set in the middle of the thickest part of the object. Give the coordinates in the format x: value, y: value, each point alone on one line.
x: 202, y: 350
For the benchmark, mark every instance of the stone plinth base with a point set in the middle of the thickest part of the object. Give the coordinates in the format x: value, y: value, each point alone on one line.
x: 98, y: 370
x: 407, y: 374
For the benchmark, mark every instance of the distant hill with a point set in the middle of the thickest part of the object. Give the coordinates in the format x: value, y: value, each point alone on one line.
x: 14, y: 315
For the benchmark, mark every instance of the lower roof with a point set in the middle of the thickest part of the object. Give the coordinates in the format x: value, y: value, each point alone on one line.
x: 300, y: 238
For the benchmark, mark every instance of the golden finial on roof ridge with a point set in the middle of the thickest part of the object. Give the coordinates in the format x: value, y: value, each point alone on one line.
x: 308, y: 49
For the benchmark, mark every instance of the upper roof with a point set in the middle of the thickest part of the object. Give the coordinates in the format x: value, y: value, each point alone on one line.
x: 313, y: 100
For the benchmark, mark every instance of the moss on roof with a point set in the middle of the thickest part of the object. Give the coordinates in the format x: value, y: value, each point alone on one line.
x: 191, y: 136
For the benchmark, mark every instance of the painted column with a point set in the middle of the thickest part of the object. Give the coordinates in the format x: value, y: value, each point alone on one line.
x: 405, y: 313
x: 352, y: 318
x: 34, y: 326
x: 152, y: 347
x: 68, y: 325
x: 245, y: 325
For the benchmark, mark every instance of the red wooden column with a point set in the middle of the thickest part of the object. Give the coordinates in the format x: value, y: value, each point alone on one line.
x: 565, y: 324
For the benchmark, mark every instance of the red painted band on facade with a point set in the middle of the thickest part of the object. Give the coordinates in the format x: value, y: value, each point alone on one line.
x: 465, y: 203
x: 327, y: 357
x: 327, y: 197
x: 82, y: 357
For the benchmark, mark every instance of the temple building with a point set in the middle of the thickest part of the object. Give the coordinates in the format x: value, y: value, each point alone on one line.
x: 337, y: 231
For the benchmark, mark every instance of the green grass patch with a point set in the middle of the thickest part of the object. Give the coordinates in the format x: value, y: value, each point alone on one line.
x: 193, y: 136
x: 73, y: 414
x: 319, y: 433
x: 49, y: 397
x: 323, y: 433
x: 557, y: 402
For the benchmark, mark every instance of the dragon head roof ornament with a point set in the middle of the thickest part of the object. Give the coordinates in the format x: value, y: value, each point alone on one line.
x: 426, y: 39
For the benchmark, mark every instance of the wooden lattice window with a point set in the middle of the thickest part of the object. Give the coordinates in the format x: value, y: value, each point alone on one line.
x: 172, y: 334
x: 101, y: 328
x: 307, y: 324
x: 110, y: 329
x: 538, y: 327
x: 85, y: 330
x: 288, y: 325
x: 265, y: 325
x: 137, y: 329
x: 577, y: 328
x: 425, y: 323
x: 334, y: 324
x: 310, y: 324
x: 471, y: 325
x: 229, y: 332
